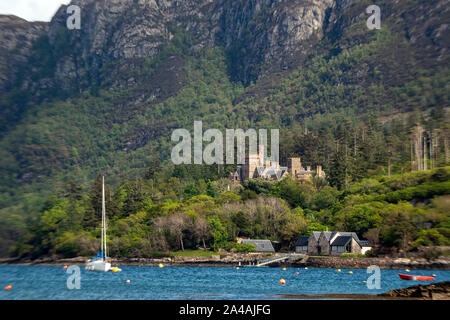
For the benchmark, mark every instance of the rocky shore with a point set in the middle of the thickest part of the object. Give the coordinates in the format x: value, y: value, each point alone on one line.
x: 441, y: 263
x: 434, y: 291
x: 251, y: 259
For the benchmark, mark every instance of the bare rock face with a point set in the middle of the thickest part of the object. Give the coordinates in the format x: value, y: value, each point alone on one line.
x: 16, y: 38
x: 257, y: 32
x: 270, y: 33
x: 259, y: 36
x: 116, y: 31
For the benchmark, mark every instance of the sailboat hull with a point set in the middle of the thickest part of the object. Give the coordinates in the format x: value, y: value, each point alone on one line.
x: 100, y: 266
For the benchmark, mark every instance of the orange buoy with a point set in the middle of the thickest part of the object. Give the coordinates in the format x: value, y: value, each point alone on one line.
x: 282, y: 281
x: 65, y: 267
x: 8, y: 287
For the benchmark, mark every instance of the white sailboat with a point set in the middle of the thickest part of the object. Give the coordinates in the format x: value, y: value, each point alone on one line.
x: 99, y: 262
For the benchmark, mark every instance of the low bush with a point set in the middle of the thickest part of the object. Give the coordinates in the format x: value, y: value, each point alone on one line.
x: 245, y: 247
x: 353, y: 255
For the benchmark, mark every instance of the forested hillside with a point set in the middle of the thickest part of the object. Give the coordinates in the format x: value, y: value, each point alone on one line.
x: 369, y: 105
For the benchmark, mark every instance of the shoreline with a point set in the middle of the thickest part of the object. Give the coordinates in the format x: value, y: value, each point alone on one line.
x: 251, y: 259
x: 434, y: 291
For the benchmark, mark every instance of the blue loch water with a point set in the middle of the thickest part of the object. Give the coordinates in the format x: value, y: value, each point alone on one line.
x: 153, y: 283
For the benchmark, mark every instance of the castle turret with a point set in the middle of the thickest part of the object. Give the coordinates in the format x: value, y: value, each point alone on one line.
x: 319, y: 171
x: 294, y: 166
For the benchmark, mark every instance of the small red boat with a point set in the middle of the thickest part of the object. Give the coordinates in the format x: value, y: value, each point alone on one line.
x: 412, y: 277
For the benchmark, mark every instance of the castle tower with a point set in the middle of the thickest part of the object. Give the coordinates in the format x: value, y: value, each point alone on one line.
x: 319, y: 171
x: 249, y: 168
x: 294, y: 166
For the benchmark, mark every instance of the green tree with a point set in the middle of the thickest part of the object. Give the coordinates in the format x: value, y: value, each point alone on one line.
x: 190, y: 190
x: 292, y: 193
x: 218, y: 231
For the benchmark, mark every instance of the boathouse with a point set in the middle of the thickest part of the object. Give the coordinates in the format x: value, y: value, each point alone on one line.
x: 261, y: 245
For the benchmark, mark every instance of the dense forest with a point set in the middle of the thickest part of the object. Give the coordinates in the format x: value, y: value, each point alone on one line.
x: 168, y: 211
x: 371, y: 107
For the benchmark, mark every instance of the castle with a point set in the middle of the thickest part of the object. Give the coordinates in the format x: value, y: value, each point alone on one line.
x: 256, y: 167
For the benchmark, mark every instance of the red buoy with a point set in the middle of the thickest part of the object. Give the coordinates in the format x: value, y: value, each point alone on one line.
x: 8, y: 287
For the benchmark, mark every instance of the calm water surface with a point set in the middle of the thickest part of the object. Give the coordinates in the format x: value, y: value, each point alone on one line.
x: 50, y: 282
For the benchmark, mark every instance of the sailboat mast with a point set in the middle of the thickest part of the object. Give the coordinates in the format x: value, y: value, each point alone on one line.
x: 103, y: 183
x: 103, y: 219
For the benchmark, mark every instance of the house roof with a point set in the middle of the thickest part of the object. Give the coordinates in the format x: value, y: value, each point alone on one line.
x: 353, y: 234
x: 271, y: 172
x: 336, y: 238
x: 364, y: 243
x: 328, y: 234
x: 302, y: 241
x: 341, y: 240
x: 316, y: 234
x: 261, y: 245
x: 260, y: 170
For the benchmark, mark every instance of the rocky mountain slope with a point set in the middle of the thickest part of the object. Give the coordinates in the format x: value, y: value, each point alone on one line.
x: 258, y: 32
x: 17, y: 39
x: 260, y: 36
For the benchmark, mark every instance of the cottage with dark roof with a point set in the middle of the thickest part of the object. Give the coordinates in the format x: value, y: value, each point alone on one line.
x: 302, y: 244
x: 331, y: 243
